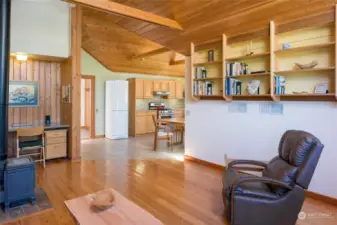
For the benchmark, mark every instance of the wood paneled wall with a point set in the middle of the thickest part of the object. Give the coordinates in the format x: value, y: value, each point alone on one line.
x: 48, y: 74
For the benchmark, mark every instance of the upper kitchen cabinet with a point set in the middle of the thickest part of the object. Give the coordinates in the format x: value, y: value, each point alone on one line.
x: 172, y: 89
x: 179, y: 90
x: 164, y: 85
x: 157, y: 85
x: 161, y: 85
x: 139, y: 89
x: 148, y: 88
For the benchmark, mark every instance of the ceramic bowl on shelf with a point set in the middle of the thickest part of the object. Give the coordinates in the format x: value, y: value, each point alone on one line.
x: 307, y: 66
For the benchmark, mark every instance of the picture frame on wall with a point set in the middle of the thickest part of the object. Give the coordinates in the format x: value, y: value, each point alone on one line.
x: 23, y: 94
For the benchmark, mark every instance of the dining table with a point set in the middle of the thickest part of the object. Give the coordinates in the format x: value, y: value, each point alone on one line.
x: 175, y: 121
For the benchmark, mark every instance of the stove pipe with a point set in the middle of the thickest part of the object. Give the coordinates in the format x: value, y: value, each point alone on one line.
x: 4, y: 76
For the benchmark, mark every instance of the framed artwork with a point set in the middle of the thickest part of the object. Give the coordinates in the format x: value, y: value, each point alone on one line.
x: 23, y: 94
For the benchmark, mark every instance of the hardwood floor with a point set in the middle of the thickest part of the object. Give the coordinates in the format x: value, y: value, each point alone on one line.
x: 176, y: 192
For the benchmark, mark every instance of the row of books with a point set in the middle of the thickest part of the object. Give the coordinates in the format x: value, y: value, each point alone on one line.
x: 234, y: 86
x: 202, y: 88
x: 236, y: 68
x: 200, y: 72
x: 279, y: 83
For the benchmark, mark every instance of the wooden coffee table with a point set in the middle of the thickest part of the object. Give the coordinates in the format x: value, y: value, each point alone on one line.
x: 124, y: 212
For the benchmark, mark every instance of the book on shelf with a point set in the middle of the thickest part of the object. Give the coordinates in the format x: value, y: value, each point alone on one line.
x: 233, y: 86
x: 236, y: 68
x: 279, y: 84
x: 202, y: 88
x: 200, y: 72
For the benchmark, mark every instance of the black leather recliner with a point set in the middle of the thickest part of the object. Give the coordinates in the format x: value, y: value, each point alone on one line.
x: 277, y: 197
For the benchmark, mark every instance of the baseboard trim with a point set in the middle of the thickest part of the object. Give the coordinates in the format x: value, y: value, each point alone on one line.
x: 320, y: 197
x: 99, y: 136
x: 323, y: 198
x: 203, y: 162
x: 85, y: 127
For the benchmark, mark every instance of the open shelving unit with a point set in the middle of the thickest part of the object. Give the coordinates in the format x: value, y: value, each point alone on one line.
x: 270, y: 55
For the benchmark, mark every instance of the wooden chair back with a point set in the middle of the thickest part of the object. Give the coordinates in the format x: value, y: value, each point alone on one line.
x: 154, y: 121
x: 30, y: 132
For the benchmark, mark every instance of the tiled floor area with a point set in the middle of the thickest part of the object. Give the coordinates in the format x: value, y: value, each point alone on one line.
x: 15, y: 213
x: 133, y: 148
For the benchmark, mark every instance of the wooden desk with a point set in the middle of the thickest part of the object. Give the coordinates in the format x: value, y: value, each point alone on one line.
x: 55, y: 140
x: 124, y: 212
x: 178, y: 121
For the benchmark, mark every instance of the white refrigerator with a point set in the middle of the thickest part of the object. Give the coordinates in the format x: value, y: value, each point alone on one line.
x: 116, y: 109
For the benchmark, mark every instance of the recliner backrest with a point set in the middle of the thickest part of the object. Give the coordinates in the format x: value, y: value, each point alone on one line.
x: 299, y: 152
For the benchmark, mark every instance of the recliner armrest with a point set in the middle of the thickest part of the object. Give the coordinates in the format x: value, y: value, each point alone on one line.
x: 247, y: 162
x: 260, y: 179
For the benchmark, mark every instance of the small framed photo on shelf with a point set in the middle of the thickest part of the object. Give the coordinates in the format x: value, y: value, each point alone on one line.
x: 321, y: 88
x: 210, y: 55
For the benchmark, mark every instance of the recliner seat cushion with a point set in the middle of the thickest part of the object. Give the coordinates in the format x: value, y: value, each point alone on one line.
x: 252, y: 189
x: 279, y: 169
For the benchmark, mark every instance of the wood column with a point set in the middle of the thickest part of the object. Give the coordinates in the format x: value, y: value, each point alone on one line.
x: 76, y: 43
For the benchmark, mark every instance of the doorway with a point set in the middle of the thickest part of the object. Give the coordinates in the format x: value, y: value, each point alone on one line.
x: 87, y: 107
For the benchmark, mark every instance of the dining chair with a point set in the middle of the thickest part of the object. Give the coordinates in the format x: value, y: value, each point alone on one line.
x: 178, y: 131
x: 29, y: 140
x: 162, y: 132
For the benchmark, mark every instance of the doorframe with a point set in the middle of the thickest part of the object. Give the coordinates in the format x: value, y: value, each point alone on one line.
x: 93, y: 103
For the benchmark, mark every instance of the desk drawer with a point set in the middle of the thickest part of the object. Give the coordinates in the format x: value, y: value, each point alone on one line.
x: 56, y: 151
x: 56, y: 140
x: 56, y: 133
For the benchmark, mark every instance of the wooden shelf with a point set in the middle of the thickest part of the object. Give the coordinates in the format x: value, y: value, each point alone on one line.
x: 258, y: 55
x: 320, y: 45
x: 307, y: 97
x: 208, y: 78
x: 210, y: 97
x: 305, y: 70
x: 309, y: 47
x: 207, y: 63
x: 249, y: 75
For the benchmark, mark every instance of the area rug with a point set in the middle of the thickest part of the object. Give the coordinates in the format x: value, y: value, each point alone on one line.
x: 19, y: 212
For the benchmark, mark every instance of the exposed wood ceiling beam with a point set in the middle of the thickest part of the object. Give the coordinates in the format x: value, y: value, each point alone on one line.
x: 113, y: 7
x: 151, y: 53
x: 177, y: 62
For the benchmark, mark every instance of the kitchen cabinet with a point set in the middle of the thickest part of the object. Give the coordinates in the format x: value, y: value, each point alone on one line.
x: 156, y: 85
x: 172, y: 89
x: 179, y: 90
x: 149, y: 122
x: 141, y: 127
x: 179, y: 113
x: 144, y: 122
x: 161, y: 85
x: 139, y: 89
x: 148, y: 88
x: 164, y: 85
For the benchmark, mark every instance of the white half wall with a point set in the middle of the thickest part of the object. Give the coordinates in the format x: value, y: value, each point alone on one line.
x: 40, y: 27
x: 212, y: 131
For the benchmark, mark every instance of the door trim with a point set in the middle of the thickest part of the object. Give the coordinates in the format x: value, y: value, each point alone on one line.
x: 93, y: 103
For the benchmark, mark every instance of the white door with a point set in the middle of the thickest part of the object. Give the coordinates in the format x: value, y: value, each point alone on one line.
x: 117, y: 95
x: 117, y: 124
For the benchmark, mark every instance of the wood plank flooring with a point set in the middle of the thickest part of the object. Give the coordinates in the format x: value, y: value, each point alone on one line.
x: 177, y: 193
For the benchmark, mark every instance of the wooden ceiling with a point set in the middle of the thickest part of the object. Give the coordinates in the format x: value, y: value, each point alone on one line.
x: 113, y: 39
x: 204, y: 20
x: 114, y: 47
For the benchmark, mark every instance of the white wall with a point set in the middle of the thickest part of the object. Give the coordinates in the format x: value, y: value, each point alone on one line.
x: 91, y: 66
x: 212, y: 131
x: 40, y: 27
